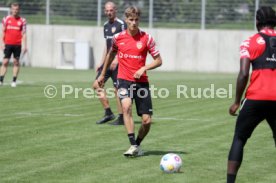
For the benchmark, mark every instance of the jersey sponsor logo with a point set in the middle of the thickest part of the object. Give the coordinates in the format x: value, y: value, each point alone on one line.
x: 139, y: 45
x: 13, y: 27
x: 109, y: 37
x: 113, y: 30
x: 272, y: 59
x: 121, y: 55
x: 260, y: 41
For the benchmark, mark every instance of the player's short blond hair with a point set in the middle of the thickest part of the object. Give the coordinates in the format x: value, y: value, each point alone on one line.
x: 15, y: 5
x: 132, y: 11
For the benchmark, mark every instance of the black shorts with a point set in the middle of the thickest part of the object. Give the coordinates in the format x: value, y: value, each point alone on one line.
x: 252, y: 113
x: 109, y: 74
x: 14, y: 50
x: 139, y: 92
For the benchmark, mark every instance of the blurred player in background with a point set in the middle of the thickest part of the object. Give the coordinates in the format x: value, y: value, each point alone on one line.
x: 14, y: 35
x: 132, y: 46
x: 112, y: 26
x: 260, y: 98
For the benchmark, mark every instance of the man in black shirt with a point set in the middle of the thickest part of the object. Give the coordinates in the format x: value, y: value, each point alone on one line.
x: 113, y: 26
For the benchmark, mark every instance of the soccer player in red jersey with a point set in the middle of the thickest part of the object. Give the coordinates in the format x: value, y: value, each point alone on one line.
x: 14, y: 34
x: 131, y: 47
x: 260, y: 98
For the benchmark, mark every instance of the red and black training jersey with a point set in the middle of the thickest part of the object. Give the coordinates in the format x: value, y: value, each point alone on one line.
x: 13, y: 28
x: 112, y: 28
x: 132, y: 53
x: 263, y: 60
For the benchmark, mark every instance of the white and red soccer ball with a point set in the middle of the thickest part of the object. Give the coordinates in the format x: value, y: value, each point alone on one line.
x: 171, y: 163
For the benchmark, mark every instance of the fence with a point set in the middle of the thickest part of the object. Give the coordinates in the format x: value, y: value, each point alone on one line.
x: 204, y: 14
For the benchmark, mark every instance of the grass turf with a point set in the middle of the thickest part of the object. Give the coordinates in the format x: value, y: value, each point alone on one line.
x: 57, y: 140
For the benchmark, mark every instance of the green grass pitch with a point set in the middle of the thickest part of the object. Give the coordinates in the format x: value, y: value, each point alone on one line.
x: 57, y: 140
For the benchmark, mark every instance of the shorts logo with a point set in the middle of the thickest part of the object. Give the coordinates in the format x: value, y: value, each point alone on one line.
x: 139, y: 45
x: 260, y: 41
x: 113, y: 29
x: 123, y: 92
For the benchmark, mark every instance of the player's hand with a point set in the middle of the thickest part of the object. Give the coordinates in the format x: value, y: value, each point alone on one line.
x: 233, y: 109
x: 139, y: 73
x: 101, y: 81
x: 113, y: 65
x: 3, y: 47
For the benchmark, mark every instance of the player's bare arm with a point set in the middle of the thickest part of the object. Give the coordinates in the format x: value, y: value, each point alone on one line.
x: 241, y: 84
x: 108, y: 60
x: 103, y: 58
x: 24, y: 41
x: 114, y: 64
x: 3, y: 38
x: 157, y: 62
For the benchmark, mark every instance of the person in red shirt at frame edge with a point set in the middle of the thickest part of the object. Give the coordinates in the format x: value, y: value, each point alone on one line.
x: 14, y: 34
x: 131, y: 47
x: 260, y: 98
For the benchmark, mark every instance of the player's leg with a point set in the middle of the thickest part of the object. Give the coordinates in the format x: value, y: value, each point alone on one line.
x: 144, y: 128
x: 16, y: 65
x: 108, y: 116
x: 127, y: 113
x: 4, y: 68
x: 250, y: 116
x: 272, y: 124
x: 129, y: 125
x: 271, y: 119
x: 120, y: 119
x: 5, y: 63
x: 144, y: 109
x: 126, y: 97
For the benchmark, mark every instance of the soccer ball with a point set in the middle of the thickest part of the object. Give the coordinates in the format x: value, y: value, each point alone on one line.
x: 170, y: 163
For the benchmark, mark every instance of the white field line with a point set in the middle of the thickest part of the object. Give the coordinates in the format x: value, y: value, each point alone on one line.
x: 47, y: 114
x: 179, y: 119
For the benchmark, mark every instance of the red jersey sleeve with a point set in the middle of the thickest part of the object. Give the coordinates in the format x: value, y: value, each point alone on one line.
x: 151, y: 45
x: 253, y: 47
x: 4, y: 21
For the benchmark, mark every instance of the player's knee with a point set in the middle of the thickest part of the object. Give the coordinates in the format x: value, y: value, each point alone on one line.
x: 95, y: 85
x: 126, y: 109
x: 146, y: 119
x: 240, y: 139
x: 5, y: 63
x: 16, y: 63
